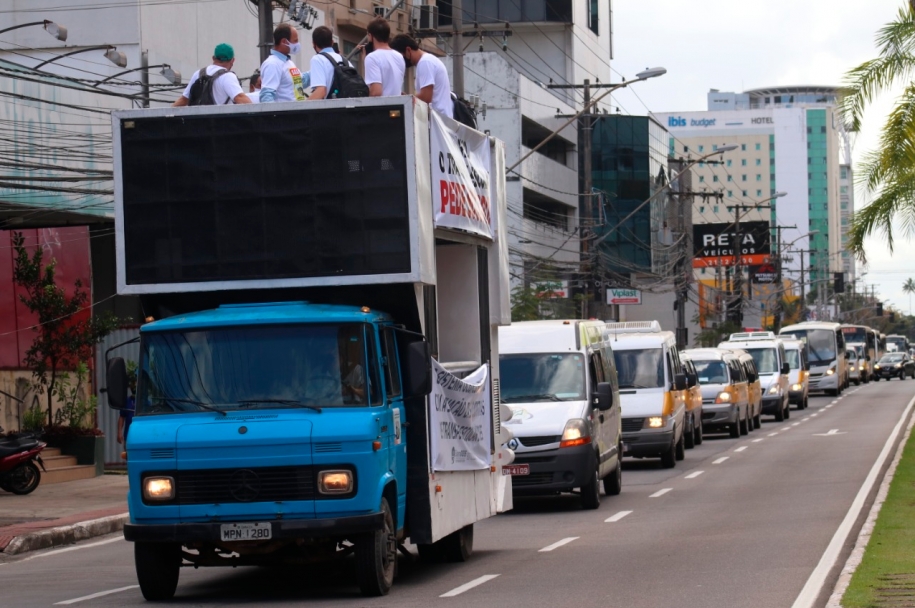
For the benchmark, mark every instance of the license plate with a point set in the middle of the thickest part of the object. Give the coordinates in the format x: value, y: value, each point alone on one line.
x: 516, y: 469
x: 241, y: 532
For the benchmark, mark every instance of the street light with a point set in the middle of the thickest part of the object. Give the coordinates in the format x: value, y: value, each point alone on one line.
x: 55, y: 29
x: 171, y: 75
x: 644, y: 75
x: 112, y: 54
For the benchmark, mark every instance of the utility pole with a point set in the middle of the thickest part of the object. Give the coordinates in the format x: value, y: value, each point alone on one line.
x: 144, y: 77
x: 736, y: 299
x: 778, y: 273
x: 457, y: 48
x: 265, y: 27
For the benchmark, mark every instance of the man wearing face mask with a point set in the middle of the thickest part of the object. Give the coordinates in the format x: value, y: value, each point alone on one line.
x: 281, y: 80
x: 431, y: 81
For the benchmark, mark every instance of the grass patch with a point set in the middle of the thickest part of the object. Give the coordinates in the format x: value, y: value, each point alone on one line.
x: 886, y: 575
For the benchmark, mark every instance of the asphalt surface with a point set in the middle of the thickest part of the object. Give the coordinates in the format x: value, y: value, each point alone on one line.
x: 740, y: 522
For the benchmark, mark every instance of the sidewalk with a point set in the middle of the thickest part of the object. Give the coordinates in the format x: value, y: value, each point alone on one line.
x: 49, y: 516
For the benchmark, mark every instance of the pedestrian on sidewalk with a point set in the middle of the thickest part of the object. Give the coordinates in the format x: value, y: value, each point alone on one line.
x: 431, y: 79
x: 219, y: 84
x: 384, y: 67
x: 281, y: 80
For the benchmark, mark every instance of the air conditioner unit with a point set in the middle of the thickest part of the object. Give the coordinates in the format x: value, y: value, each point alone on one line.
x: 426, y: 17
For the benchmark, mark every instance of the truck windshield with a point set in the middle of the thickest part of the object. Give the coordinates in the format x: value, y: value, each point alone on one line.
x: 640, y: 368
x: 712, y: 372
x: 542, y: 377
x: 821, y: 344
x: 311, y: 366
x: 765, y: 358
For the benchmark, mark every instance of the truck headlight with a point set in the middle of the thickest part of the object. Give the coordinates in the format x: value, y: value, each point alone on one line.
x: 335, y: 482
x: 576, y: 432
x: 723, y: 397
x: 656, y: 422
x: 158, y: 488
x: 774, y: 390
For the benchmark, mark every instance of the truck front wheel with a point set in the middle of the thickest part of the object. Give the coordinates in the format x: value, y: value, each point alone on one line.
x: 157, y: 567
x: 376, y: 555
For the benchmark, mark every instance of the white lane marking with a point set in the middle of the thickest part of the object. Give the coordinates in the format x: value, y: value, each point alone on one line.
x: 795, y: 423
x: 95, y: 595
x: 694, y: 475
x: 773, y: 434
x: 808, y: 595
x: 786, y: 429
x: 468, y: 586
x: 805, y: 419
x: 720, y: 460
x: 757, y: 440
x: 660, y: 492
x: 617, y: 517
x: 814, y: 415
x: 831, y: 432
x: 741, y: 448
x: 558, y: 543
x: 68, y: 549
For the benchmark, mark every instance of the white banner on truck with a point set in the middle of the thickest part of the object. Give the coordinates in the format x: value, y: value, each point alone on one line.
x: 460, y: 176
x: 460, y: 420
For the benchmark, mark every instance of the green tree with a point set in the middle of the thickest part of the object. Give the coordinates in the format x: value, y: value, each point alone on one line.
x: 888, y: 172
x: 909, y: 288
x: 62, y: 342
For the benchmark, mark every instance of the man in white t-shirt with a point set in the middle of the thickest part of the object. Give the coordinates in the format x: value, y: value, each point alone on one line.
x: 431, y: 81
x: 322, y: 71
x: 384, y: 67
x: 281, y: 80
x: 226, y: 87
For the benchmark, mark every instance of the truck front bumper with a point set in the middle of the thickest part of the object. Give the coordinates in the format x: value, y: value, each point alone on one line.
x: 284, y: 528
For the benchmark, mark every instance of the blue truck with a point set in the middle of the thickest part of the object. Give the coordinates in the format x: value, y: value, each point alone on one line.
x: 310, y: 303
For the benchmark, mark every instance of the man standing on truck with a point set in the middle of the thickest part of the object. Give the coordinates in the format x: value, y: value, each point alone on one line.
x: 431, y: 81
x: 384, y: 67
x: 220, y: 86
x: 281, y: 80
x: 322, y: 70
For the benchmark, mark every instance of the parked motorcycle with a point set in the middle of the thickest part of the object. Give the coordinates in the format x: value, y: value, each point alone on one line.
x: 18, y: 455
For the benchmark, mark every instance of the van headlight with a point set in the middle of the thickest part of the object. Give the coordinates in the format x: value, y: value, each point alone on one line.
x: 159, y: 489
x: 830, y: 371
x: 774, y: 390
x: 723, y: 397
x: 335, y: 482
x: 656, y: 422
x: 576, y: 432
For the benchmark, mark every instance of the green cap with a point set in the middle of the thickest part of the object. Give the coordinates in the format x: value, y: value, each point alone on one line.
x: 224, y: 52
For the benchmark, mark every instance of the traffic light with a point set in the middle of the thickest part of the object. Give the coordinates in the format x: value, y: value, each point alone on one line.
x: 838, y: 282
x: 879, y: 310
x: 892, y: 317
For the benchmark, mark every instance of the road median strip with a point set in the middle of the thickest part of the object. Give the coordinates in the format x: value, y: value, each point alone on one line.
x: 65, y: 531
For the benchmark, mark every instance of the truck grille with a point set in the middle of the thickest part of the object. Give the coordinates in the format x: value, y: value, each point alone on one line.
x: 257, y: 484
x: 533, y: 442
x: 631, y: 425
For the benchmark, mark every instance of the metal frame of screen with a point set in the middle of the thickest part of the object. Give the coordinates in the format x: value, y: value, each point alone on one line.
x: 418, y: 193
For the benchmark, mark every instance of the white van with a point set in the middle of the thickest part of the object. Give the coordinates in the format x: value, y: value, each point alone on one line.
x: 559, y: 379
x: 771, y: 361
x: 653, y: 391
x: 826, y: 353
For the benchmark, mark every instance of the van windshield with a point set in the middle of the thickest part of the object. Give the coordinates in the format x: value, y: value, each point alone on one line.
x: 765, y: 358
x: 531, y: 378
x: 711, y: 372
x: 794, y: 358
x: 640, y: 368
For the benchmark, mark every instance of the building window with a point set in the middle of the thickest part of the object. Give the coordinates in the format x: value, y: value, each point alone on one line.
x: 843, y: 171
x: 809, y: 175
x: 744, y: 193
x: 843, y: 189
x: 743, y: 147
x: 743, y: 178
x: 729, y: 178
x: 701, y: 178
x: 730, y: 194
x: 822, y: 129
x: 809, y: 130
x: 714, y: 178
x: 772, y: 177
x: 743, y: 162
x: 758, y: 162
x: 686, y: 148
x: 715, y: 209
x: 825, y: 206
x: 759, y: 177
x: 759, y: 146
x: 729, y: 162
x: 759, y: 193
x: 730, y: 209
x: 592, y: 17
x: 701, y: 209
x: 701, y: 148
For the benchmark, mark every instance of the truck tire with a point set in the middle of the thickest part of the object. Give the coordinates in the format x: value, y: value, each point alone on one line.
x: 744, y: 425
x: 613, y: 483
x: 780, y: 415
x: 458, y: 546
x: 734, y: 428
x: 787, y: 410
x: 376, y: 554
x: 698, y: 430
x: 590, y: 492
x: 157, y: 565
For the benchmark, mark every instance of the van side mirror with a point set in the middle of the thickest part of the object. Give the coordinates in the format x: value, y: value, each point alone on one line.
x: 786, y: 368
x: 867, y: 358
x: 604, y: 396
x: 117, y: 384
x: 418, y: 370
x: 680, y: 383
x: 692, y: 380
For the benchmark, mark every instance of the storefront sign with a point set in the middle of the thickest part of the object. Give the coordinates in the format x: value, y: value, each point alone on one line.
x: 624, y: 296
x: 764, y: 274
x: 551, y: 289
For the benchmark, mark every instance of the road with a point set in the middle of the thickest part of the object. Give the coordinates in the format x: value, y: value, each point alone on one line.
x: 740, y: 522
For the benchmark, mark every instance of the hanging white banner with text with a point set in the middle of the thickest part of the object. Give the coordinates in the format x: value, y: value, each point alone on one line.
x: 460, y: 420
x: 460, y: 176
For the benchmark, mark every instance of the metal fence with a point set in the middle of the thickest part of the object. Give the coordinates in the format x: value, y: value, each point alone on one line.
x: 107, y: 417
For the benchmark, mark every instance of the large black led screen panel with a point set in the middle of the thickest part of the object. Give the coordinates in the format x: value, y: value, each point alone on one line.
x: 265, y: 195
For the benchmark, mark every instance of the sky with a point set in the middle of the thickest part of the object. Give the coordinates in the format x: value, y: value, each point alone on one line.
x: 736, y: 45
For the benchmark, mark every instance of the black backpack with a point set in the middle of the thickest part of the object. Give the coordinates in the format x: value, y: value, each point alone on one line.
x: 464, y: 112
x: 202, y: 89
x: 347, y: 81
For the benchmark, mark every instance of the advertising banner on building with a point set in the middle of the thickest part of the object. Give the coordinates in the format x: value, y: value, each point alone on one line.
x: 624, y: 296
x: 551, y: 289
x: 460, y: 420
x: 764, y: 274
x: 715, y: 244
x: 460, y: 176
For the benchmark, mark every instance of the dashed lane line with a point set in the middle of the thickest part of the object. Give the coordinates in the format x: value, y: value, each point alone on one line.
x: 795, y: 423
x: 773, y: 434
x: 468, y: 586
x: 757, y: 440
x: 720, y: 460
x: 616, y: 517
x: 694, y: 475
x: 660, y: 492
x: 558, y: 543
x: 741, y: 448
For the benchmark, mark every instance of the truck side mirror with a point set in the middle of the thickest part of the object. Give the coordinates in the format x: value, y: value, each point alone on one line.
x: 117, y: 384
x: 604, y: 396
x: 680, y: 383
x: 418, y: 368
x: 786, y: 368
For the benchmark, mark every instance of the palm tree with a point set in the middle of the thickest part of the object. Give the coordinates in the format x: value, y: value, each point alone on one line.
x: 909, y: 288
x: 888, y: 173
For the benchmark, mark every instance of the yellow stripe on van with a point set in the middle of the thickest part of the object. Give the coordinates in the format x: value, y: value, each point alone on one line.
x: 668, y: 404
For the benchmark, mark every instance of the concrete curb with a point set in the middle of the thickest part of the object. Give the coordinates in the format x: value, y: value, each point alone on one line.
x: 857, y: 554
x: 66, y: 535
